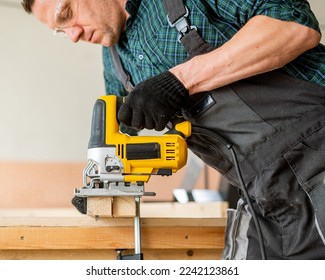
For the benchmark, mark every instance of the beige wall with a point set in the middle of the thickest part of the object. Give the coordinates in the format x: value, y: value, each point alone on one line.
x: 47, y: 89
x: 318, y: 7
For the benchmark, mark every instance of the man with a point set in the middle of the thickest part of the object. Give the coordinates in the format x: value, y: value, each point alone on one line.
x: 216, y: 64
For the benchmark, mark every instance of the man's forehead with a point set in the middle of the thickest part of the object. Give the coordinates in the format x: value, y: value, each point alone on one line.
x: 44, y: 10
x: 43, y: 2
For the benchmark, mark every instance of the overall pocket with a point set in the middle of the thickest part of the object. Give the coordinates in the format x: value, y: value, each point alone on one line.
x: 315, y: 188
x: 307, y: 160
x: 236, y: 240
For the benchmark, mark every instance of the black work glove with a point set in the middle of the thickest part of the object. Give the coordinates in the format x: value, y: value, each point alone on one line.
x: 153, y: 102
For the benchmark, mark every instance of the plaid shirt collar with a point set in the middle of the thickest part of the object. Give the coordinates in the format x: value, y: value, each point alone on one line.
x: 132, y: 7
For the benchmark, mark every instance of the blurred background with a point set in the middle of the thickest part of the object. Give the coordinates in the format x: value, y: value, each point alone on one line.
x: 48, y: 87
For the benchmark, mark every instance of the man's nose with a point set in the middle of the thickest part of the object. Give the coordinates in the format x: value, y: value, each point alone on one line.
x: 74, y: 33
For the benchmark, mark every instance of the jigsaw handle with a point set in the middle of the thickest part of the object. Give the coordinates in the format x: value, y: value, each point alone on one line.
x: 176, y: 126
x: 99, y: 127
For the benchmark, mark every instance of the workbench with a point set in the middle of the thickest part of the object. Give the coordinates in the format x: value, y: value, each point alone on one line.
x: 194, y: 231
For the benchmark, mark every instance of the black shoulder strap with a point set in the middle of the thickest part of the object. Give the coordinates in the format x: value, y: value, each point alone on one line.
x: 175, y: 10
x: 177, y: 16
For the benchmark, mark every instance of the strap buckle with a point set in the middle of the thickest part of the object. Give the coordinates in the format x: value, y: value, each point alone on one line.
x: 182, y: 24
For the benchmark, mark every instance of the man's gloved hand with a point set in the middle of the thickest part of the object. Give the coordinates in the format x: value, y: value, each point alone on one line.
x: 153, y: 102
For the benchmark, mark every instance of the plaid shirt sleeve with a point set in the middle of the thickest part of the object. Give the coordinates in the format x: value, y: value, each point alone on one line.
x: 241, y: 11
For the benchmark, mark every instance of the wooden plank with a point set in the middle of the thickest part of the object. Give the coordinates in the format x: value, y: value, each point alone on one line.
x: 100, y: 206
x: 124, y: 206
x: 66, y: 234
x: 182, y: 254
x: 33, y: 238
x: 85, y: 221
x: 147, y: 209
x: 191, y: 209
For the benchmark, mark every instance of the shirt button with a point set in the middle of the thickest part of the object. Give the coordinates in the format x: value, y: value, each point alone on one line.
x: 140, y: 56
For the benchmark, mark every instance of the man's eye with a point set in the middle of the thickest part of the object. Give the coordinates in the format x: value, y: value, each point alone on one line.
x: 64, y: 16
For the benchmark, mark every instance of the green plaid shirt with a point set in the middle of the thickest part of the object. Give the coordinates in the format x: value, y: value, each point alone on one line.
x: 149, y: 45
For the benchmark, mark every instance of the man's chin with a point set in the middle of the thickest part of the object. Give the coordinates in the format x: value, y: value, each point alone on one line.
x: 109, y: 40
x: 106, y: 44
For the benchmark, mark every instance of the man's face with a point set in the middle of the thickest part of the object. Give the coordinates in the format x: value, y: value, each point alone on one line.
x: 94, y: 21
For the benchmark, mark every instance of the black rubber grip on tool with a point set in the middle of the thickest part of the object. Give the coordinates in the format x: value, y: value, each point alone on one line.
x: 80, y: 203
x: 143, y: 151
x: 97, y: 133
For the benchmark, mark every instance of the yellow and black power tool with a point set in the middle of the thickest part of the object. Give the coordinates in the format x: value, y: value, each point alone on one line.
x: 119, y: 164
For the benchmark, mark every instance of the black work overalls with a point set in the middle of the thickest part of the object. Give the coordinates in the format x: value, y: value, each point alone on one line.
x: 276, y: 124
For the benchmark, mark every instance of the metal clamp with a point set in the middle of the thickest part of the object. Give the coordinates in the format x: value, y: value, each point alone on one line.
x: 182, y: 24
x: 138, y: 255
